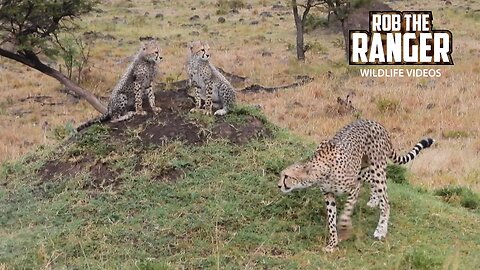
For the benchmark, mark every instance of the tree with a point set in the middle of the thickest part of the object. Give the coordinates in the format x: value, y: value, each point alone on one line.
x: 300, y: 23
x: 30, y: 30
x: 341, y: 9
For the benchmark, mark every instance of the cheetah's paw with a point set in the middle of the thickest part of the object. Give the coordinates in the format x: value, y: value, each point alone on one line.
x: 329, y: 249
x: 380, y: 233
x: 156, y: 110
x: 220, y: 112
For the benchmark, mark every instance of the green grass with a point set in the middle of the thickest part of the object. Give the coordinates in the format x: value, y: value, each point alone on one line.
x: 225, y: 213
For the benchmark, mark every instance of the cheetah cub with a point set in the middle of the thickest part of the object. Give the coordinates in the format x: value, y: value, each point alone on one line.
x: 358, y: 152
x: 135, y: 82
x: 210, y: 85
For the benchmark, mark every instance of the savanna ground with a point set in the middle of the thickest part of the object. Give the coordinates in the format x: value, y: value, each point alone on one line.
x: 185, y: 191
x: 206, y: 219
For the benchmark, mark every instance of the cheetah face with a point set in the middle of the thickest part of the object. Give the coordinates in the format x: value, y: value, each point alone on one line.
x: 151, y: 52
x: 200, y: 50
x: 295, y: 176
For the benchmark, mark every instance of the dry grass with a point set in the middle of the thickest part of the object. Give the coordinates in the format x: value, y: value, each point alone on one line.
x: 423, y: 107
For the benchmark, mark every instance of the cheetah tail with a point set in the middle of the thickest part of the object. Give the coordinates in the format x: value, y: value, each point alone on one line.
x: 102, y: 118
x: 425, y: 143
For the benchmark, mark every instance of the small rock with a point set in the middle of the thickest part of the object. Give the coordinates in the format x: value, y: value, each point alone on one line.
x: 159, y: 16
x: 221, y: 19
x: 194, y: 18
x: 278, y: 6
x: 266, y: 54
x: 266, y: 14
x: 146, y: 38
x: 254, y: 22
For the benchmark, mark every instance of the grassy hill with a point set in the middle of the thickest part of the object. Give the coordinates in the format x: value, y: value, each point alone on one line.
x: 189, y: 191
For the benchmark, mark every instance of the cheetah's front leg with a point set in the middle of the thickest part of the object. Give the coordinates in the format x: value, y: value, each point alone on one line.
x: 198, y: 100
x: 332, y: 222
x: 208, y: 101
x: 151, y: 100
x: 198, y: 97
x: 137, y: 89
x: 346, y: 216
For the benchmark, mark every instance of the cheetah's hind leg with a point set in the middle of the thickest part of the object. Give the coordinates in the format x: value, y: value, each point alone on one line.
x: 366, y: 176
x: 119, y: 112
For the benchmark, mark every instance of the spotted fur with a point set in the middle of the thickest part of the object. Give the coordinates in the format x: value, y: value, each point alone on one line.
x: 135, y: 82
x: 357, y: 153
x: 210, y: 85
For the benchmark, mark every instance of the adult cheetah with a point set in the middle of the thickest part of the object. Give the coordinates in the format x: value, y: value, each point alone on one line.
x: 359, y: 151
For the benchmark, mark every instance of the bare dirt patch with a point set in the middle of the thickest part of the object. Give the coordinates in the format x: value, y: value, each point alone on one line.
x: 101, y: 176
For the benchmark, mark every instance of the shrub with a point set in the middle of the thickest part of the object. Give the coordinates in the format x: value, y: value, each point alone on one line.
x: 230, y: 4
x: 455, y: 134
x: 312, y: 22
x: 460, y: 195
x: 385, y: 105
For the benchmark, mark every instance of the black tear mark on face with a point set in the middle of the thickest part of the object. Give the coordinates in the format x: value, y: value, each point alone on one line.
x: 285, y: 183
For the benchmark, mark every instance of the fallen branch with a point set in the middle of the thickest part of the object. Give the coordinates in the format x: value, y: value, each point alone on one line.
x: 255, y: 88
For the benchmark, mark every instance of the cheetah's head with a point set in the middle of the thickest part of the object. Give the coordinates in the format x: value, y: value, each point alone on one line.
x: 151, y: 51
x: 294, y: 177
x: 199, y: 50
x: 303, y: 175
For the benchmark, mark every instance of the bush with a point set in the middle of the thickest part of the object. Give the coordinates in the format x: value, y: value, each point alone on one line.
x: 230, y: 4
x: 312, y: 22
x: 385, y: 105
x: 460, y: 195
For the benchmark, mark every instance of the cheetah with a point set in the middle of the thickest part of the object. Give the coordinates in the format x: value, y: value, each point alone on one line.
x: 358, y: 152
x: 135, y: 82
x: 210, y: 85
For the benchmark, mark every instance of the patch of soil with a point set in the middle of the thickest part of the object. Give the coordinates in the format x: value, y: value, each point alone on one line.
x: 171, y: 123
x: 100, y: 174
x: 240, y: 134
x: 171, y: 128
